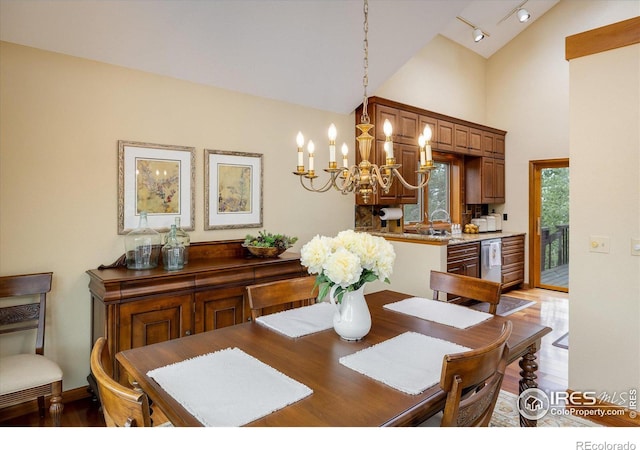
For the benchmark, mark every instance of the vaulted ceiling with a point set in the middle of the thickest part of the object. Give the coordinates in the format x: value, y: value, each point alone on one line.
x: 307, y: 52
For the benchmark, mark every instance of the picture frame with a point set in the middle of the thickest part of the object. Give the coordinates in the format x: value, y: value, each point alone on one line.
x: 233, y: 189
x: 158, y: 179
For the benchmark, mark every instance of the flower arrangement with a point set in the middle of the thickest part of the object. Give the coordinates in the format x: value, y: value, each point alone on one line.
x: 348, y: 260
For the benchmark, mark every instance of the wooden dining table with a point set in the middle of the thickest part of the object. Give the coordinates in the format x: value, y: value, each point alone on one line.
x: 341, y: 397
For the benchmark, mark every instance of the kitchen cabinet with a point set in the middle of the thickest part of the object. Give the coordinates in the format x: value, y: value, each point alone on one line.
x: 464, y: 259
x: 512, y: 262
x: 492, y: 145
x: 485, y: 180
x: 132, y: 308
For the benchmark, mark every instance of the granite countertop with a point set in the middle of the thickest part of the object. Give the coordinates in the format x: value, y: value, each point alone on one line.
x: 449, y: 240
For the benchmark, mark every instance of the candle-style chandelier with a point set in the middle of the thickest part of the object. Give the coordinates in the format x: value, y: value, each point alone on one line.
x: 364, y: 178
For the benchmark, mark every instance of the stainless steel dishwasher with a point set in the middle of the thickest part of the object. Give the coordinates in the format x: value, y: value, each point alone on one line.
x: 491, y: 260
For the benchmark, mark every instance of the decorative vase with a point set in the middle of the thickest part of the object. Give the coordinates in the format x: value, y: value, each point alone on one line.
x: 142, y: 246
x: 352, y: 320
x: 182, y: 237
x: 173, y: 252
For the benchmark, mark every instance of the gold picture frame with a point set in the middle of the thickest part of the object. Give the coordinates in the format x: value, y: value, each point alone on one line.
x: 158, y: 179
x: 233, y: 190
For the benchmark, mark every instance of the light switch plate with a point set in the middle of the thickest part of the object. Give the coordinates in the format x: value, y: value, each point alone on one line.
x: 599, y: 244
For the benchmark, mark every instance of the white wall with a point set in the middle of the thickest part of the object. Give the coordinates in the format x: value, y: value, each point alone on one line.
x: 61, y: 118
x: 604, y: 313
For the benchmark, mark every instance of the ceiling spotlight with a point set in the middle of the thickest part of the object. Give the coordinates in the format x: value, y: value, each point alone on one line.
x: 523, y: 15
x: 478, y: 34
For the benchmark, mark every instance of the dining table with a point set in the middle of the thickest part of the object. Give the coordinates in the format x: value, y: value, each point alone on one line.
x: 340, y: 396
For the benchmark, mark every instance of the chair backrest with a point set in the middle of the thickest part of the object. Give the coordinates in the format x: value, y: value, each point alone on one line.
x: 121, y: 406
x: 268, y: 298
x: 466, y: 287
x: 24, y: 313
x: 472, y: 381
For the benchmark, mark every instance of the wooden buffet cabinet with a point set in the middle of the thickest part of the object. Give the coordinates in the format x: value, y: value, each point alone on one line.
x: 132, y: 308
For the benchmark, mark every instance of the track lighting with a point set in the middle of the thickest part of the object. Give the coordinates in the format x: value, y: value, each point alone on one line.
x: 478, y: 34
x: 523, y: 15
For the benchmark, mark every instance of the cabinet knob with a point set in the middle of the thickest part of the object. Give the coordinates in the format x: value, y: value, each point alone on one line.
x: 187, y: 333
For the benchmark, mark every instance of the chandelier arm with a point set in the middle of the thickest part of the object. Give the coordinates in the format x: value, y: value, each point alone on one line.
x: 381, y: 180
x: 311, y: 188
x: 349, y: 180
x: 406, y: 184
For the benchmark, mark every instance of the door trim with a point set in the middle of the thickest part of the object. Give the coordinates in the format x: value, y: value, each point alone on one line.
x: 535, y: 167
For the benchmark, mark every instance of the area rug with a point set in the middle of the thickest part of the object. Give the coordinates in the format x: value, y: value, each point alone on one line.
x: 562, y: 341
x: 507, y: 305
x: 506, y: 414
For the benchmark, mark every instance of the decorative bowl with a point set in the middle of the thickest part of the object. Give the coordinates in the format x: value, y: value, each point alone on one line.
x: 265, y: 252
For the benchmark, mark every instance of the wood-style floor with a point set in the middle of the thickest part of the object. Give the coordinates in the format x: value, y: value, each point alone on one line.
x: 551, y: 309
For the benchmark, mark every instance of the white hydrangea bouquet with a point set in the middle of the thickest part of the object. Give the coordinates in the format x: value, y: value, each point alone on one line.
x: 348, y: 260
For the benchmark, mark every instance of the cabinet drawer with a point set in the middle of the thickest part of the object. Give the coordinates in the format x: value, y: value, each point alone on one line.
x: 130, y: 289
x: 512, y: 258
x: 463, y: 251
x: 513, y: 273
x: 221, y: 277
x: 285, y: 270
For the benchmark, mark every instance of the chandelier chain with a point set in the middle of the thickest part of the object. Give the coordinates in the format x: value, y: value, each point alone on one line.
x: 365, y: 79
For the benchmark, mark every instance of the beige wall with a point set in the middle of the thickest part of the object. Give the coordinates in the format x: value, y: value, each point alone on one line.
x: 604, y: 314
x: 61, y: 118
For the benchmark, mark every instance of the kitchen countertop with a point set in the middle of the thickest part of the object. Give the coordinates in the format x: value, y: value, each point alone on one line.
x: 447, y: 240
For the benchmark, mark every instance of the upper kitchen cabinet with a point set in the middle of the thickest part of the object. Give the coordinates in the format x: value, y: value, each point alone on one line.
x: 449, y: 135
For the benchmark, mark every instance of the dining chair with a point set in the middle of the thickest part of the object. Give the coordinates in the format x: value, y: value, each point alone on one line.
x: 121, y: 406
x: 472, y: 381
x: 461, y: 288
x: 275, y: 296
x: 28, y: 376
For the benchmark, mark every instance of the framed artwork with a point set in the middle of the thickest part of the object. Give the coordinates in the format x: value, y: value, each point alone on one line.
x: 233, y: 190
x: 158, y: 179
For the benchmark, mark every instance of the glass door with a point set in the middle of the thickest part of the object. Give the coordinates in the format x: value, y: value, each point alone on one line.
x: 549, y: 224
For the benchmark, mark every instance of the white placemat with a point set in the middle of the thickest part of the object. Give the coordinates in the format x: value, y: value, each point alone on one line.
x: 301, y: 321
x: 228, y: 388
x: 410, y: 362
x: 442, y: 312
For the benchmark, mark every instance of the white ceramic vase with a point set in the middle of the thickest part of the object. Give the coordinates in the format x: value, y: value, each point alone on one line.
x: 352, y: 320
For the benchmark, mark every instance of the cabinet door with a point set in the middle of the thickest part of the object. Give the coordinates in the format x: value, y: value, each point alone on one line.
x: 382, y: 113
x: 218, y: 308
x: 445, y: 136
x: 407, y: 128
x: 407, y: 156
x: 461, y: 139
x: 433, y: 124
x: 488, y: 169
x: 154, y: 320
x: 498, y: 181
x: 475, y: 142
x: 499, y: 151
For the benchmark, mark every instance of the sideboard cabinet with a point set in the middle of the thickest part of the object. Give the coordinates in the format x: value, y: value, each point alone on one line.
x: 132, y: 308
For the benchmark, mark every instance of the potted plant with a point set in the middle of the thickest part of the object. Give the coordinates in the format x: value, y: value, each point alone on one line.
x: 266, y: 245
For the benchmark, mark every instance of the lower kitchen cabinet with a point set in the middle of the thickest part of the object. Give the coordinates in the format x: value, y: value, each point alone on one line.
x: 133, y: 308
x: 464, y: 259
x: 512, y: 262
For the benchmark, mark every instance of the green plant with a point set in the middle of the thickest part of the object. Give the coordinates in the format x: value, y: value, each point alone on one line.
x: 266, y: 239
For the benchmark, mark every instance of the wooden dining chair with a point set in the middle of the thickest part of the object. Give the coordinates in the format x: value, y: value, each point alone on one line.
x: 121, y: 406
x: 268, y: 298
x: 462, y: 288
x: 472, y: 381
x: 28, y: 376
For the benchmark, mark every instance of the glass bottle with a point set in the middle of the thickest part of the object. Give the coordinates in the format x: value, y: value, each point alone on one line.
x: 182, y: 237
x: 142, y: 246
x: 173, y: 252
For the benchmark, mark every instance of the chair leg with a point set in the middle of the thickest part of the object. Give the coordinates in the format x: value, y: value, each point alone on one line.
x: 41, y: 406
x: 56, y: 406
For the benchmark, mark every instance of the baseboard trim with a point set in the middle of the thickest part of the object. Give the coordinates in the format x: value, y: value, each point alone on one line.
x: 29, y: 407
x: 628, y: 419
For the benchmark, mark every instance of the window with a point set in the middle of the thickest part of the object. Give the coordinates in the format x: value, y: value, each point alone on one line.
x: 443, y: 191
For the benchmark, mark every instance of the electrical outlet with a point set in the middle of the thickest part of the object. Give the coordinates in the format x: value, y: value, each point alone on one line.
x: 599, y: 244
x: 504, y: 216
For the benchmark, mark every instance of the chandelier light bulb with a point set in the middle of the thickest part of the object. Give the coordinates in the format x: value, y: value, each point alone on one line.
x: 332, y: 132
x: 345, y: 149
x: 311, y: 147
x: 387, y: 128
x: 427, y: 133
x: 421, y: 141
x: 300, y: 139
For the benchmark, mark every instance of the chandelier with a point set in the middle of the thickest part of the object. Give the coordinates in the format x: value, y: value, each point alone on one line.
x: 365, y: 178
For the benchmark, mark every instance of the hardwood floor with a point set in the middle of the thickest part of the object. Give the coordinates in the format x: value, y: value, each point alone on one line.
x: 551, y: 309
